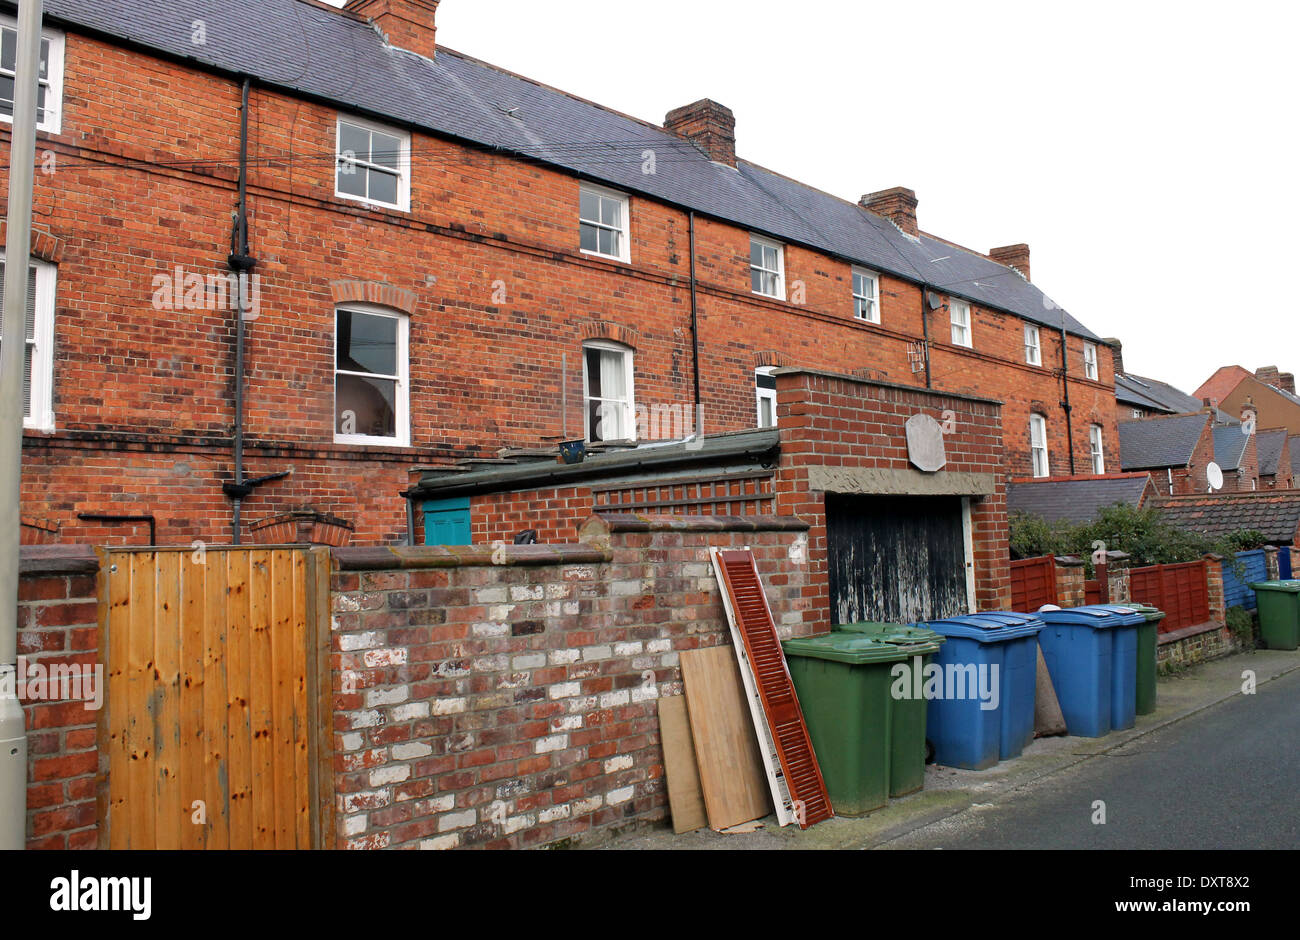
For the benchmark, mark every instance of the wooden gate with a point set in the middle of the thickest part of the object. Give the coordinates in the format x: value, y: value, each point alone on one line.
x: 895, y: 559
x: 1033, y: 583
x: 215, y: 726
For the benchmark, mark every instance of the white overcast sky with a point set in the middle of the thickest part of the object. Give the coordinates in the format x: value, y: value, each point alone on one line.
x: 1146, y: 151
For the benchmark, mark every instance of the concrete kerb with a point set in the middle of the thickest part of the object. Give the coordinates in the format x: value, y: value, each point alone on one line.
x: 949, y: 791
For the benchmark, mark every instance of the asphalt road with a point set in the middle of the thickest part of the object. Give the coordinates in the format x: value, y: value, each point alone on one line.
x: 1224, y: 778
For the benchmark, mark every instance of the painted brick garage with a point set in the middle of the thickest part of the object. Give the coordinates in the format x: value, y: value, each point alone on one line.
x: 486, y: 263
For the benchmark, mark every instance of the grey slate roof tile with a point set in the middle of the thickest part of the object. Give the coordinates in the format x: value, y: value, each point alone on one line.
x: 1229, y: 446
x: 325, y: 54
x: 1074, y: 500
x: 1160, y: 442
x: 1269, y: 445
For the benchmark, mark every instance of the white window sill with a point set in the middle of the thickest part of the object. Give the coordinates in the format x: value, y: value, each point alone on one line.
x: 371, y: 203
x: 358, y: 440
x: 604, y: 257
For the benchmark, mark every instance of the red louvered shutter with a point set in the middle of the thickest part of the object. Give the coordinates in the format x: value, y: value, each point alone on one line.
x: 784, y: 717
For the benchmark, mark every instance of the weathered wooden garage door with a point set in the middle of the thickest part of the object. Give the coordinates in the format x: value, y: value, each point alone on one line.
x: 212, y: 717
x: 896, y: 559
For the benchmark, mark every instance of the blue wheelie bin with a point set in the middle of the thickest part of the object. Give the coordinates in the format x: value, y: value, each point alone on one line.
x: 1091, y: 655
x: 970, y: 731
x: 1123, y: 660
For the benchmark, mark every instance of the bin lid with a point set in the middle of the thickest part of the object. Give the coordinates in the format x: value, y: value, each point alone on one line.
x: 993, y: 626
x: 892, y: 632
x: 855, y: 649
x: 1129, y: 614
x: 1291, y: 586
x: 1096, y: 616
x: 1147, y: 610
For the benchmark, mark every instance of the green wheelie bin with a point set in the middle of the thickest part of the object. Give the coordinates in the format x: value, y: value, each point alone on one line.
x: 844, y: 684
x: 1279, y: 613
x: 907, y: 720
x: 1146, y: 656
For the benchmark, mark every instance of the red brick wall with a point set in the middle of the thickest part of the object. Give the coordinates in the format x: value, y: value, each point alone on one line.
x: 515, y: 705
x: 837, y: 421
x: 143, y: 396
x: 58, y: 617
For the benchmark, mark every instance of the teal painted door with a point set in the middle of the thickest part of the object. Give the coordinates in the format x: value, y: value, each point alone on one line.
x: 446, y: 522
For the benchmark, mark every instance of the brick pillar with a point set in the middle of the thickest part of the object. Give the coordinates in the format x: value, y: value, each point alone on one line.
x: 1117, y: 566
x: 1069, y: 581
x: 1270, y: 562
x: 1214, y: 587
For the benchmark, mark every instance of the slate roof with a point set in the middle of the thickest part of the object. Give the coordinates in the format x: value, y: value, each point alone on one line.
x: 1268, y: 445
x: 1075, y: 500
x: 333, y: 56
x: 1230, y: 446
x: 1276, y: 515
x: 1155, y: 443
x: 1294, y: 443
x: 1152, y: 393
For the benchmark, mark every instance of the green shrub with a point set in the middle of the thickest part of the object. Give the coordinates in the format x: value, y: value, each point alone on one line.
x: 1141, y: 533
x: 1242, y: 624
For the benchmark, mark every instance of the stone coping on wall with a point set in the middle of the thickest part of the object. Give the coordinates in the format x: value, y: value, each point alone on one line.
x: 386, y: 558
x: 1196, y: 629
x: 36, y: 560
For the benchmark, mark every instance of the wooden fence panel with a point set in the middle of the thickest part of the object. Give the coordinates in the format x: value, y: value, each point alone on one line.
x: 212, y: 723
x: 1033, y: 583
x: 1180, y: 591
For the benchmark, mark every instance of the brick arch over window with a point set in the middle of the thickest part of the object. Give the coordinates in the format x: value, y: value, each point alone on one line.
x: 373, y: 292
x: 45, y: 246
x: 769, y: 357
x: 614, y: 332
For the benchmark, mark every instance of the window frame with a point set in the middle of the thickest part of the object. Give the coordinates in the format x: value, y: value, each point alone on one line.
x: 780, y: 266
x: 53, y: 123
x: 954, y: 305
x: 402, y: 398
x: 624, y: 233
x: 1034, y: 350
x: 1036, y: 422
x: 1097, y: 448
x: 874, y: 300
x: 403, y: 203
x: 1091, y: 368
x: 629, y: 372
x: 762, y: 394
x: 42, y: 341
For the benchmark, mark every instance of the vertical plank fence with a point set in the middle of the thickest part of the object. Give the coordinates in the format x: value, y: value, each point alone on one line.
x: 1033, y: 583
x: 216, y: 720
x: 1179, y: 590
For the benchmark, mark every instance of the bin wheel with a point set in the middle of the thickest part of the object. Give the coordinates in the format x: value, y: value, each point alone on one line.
x: 929, y: 751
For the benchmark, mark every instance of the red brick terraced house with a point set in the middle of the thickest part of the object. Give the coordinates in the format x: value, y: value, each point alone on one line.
x: 441, y: 270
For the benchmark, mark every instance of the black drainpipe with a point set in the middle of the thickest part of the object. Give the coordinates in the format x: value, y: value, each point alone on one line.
x: 695, y: 334
x: 1065, y: 384
x: 240, y: 264
x: 111, y: 517
x: 925, y: 331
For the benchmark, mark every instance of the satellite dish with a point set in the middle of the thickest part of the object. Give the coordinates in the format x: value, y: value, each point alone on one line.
x: 1215, y: 475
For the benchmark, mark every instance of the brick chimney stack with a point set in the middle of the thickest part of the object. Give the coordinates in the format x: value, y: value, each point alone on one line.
x: 408, y: 24
x: 709, y: 126
x: 1014, y: 256
x: 1270, y: 375
x: 1116, y: 350
x: 1249, y: 413
x: 897, y: 204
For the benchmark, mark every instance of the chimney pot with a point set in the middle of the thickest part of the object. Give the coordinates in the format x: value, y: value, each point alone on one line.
x: 1013, y: 256
x: 407, y: 24
x: 897, y: 204
x: 709, y: 126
